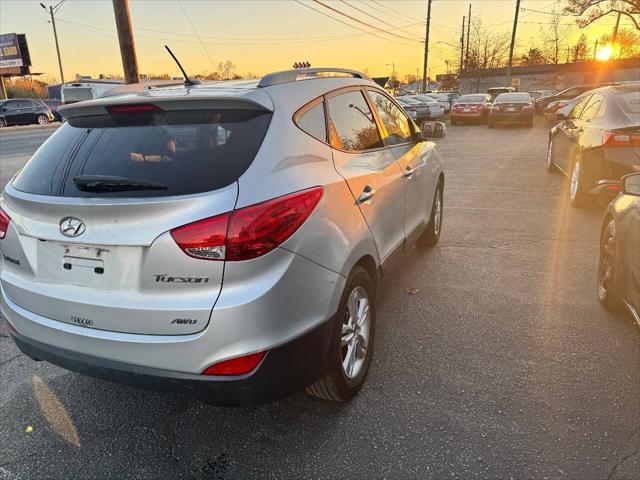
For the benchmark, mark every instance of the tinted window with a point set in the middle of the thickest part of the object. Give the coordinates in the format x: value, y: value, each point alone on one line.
x: 313, y: 122
x: 395, y: 121
x: 629, y: 100
x: 24, y: 104
x: 593, y: 108
x: 578, y: 107
x: 185, y: 151
x: 11, y: 105
x: 513, y: 97
x: 353, y: 127
x: 472, y: 98
x: 37, y: 104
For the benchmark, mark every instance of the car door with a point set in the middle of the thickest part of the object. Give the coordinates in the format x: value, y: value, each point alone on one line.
x: 369, y: 168
x: 26, y: 111
x: 413, y: 158
x: 12, y: 112
x: 564, y: 136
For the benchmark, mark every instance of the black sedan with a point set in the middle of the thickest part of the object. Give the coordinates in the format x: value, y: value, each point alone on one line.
x: 599, y: 140
x: 565, y: 94
x: 619, y: 266
x: 21, y: 111
x: 511, y: 108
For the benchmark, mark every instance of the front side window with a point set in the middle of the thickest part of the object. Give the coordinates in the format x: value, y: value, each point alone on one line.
x: 163, y: 153
x: 353, y: 127
x: 395, y: 121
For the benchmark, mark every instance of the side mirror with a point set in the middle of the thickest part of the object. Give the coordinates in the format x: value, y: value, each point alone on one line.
x: 432, y: 130
x: 631, y: 184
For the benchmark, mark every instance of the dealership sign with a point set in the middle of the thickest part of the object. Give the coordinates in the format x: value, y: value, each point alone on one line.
x: 13, y: 51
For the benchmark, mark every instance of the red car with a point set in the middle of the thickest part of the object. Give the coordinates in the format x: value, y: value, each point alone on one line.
x: 471, y: 108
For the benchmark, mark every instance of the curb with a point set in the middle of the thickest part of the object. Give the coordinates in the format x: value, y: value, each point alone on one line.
x: 22, y: 128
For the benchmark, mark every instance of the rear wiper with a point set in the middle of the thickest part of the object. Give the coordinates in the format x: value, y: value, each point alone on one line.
x: 108, y: 183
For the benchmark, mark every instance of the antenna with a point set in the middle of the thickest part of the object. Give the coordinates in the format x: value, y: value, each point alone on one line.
x: 187, y: 80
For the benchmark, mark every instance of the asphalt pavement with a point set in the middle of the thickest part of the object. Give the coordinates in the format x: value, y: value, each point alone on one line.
x: 501, y: 366
x: 17, y: 144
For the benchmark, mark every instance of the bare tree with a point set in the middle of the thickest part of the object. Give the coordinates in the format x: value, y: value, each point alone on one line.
x: 627, y: 42
x: 534, y: 56
x: 554, y: 36
x: 589, y: 11
x: 580, y: 51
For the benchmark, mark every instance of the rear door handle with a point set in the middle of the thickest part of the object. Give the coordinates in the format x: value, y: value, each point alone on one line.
x: 408, y: 172
x: 367, y: 194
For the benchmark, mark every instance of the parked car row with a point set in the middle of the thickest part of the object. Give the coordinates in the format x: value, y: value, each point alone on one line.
x: 596, y: 145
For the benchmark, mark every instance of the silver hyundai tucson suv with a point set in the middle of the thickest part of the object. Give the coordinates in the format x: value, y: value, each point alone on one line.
x: 223, y: 240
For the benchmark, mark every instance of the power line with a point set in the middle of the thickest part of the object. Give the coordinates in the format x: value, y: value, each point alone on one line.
x: 350, y: 25
x: 368, y: 14
x: 361, y: 22
x: 392, y: 10
x: 196, y: 32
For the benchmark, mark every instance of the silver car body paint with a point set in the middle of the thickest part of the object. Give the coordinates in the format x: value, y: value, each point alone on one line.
x: 241, y: 307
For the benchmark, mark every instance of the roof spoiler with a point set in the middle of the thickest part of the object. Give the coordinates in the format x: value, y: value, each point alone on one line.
x: 286, y: 76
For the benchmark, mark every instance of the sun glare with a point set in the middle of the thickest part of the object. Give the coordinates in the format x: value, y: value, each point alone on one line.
x: 604, y: 53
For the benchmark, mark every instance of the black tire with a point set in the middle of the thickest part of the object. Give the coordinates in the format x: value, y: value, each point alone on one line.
x: 551, y: 166
x: 3, y: 123
x: 608, y: 282
x: 42, y: 120
x: 336, y: 385
x: 578, y: 197
x: 432, y: 234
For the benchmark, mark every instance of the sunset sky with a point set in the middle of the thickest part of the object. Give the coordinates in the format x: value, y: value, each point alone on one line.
x: 263, y: 36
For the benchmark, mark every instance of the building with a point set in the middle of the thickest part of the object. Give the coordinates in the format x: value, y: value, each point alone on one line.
x: 552, y: 77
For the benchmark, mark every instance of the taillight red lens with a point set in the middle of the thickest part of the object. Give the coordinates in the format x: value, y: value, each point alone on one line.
x: 620, y: 139
x: 235, y: 366
x: 248, y: 232
x: 205, y: 239
x: 258, y: 229
x: 4, y: 224
x: 133, y: 108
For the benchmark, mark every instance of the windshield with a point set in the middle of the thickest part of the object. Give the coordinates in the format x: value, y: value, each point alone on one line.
x: 185, y: 152
x: 513, y: 97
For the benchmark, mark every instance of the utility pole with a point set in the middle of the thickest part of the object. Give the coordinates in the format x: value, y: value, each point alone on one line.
x: 513, y: 42
x: 466, y: 55
x: 125, y: 36
x: 595, y: 50
x: 614, y: 36
x: 52, y: 11
x: 426, y: 48
x: 462, y: 48
x: 3, y: 90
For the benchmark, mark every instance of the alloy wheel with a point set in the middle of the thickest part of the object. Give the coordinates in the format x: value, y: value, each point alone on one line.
x: 437, y: 214
x: 355, y: 333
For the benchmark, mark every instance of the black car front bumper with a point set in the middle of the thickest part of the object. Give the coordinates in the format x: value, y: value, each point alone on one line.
x: 284, y: 370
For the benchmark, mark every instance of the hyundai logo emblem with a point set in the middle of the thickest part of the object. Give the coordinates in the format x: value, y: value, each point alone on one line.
x: 72, y: 227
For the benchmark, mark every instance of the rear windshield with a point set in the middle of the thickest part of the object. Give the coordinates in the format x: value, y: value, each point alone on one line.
x: 513, y: 97
x: 472, y: 98
x: 176, y: 152
x: 629, y: 100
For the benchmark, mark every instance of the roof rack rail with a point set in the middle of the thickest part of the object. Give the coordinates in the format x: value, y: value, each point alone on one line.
x: 286, y: 76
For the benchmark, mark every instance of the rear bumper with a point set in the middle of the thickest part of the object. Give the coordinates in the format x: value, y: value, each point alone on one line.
x: 511, y: 117
x: 468, y: 116
x: 284, y: 370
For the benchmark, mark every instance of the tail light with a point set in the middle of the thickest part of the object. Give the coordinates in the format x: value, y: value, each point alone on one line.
x: 133, y: 108
x: 556, y: 107
x: 620, y: 139
x: 4, y: 224
x: 495, y: 108
x: 235, y: 366
x: 248, y: 232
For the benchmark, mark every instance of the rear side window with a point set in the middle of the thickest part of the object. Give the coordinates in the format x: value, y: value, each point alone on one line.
x: 594, y: 108
x: 353, y: 127
x: 578, y: 107
x: 313, y: 122
x: 629, y: 101
x: 178, y: 152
